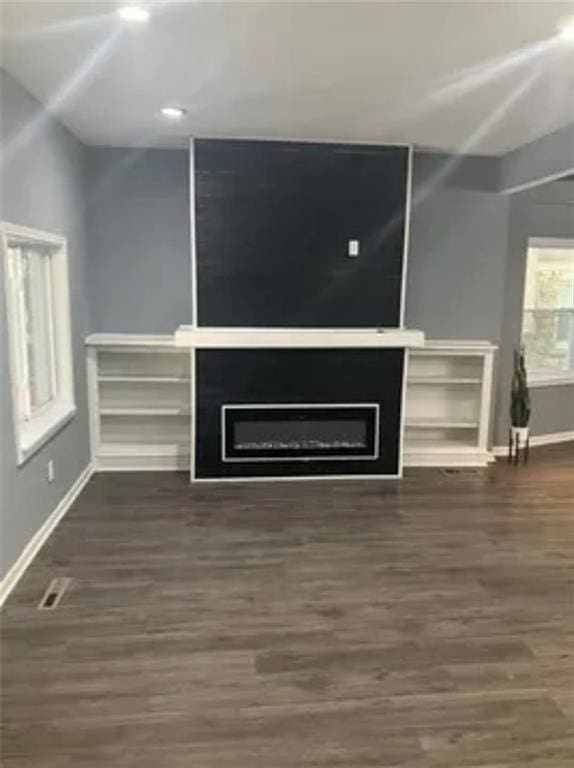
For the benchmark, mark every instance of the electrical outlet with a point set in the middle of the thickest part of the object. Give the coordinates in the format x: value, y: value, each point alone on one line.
x: 50, y: 472
x: 353, y: 249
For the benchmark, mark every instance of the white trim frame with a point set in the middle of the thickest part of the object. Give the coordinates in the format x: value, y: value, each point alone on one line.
x: 406, y: 224
x: 192, y: 236
x: 406, y: 234
x: 293, y: 478
x: 486, y: 401
x: 539, y: 378
x: 192, y: 414
x: 291, y: 406
x: 550, y: 381
x: 93, y: 401
x: 402, y: 422
x: 296, y: 338
x: 33, y: 433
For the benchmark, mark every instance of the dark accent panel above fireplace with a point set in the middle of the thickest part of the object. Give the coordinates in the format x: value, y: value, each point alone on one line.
x: 273, y: 225
x: 346, y: 402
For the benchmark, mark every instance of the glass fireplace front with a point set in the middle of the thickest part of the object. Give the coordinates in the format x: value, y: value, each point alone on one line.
x: 279, y: 432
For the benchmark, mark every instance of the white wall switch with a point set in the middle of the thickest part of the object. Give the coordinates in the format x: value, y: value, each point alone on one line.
x: 50, y: 471
x: 353, y: 249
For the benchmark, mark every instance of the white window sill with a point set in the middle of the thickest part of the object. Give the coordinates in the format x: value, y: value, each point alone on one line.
x: 40, y: 430
x: 550, y: 381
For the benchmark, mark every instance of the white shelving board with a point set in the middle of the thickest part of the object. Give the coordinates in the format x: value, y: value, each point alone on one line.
x: 139, y: 390
x: 448, y: 402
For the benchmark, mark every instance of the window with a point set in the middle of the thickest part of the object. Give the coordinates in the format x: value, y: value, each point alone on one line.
x: 548, y: 320
x: 38, y: 313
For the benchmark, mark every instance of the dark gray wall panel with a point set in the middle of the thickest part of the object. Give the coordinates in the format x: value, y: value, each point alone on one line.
x: 273, y: 223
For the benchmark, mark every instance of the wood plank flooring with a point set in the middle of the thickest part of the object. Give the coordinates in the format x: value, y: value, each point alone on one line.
x: 426, y: 624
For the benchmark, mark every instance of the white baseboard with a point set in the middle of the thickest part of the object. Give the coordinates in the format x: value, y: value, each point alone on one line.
x: 536, y: 440
x: 291, y: 478
x: 42, y: 534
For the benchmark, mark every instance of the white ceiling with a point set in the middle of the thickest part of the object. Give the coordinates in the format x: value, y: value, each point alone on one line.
x: 480, y: 77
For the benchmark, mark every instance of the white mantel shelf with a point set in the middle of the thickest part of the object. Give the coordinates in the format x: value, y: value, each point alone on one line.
x: 293, y: 338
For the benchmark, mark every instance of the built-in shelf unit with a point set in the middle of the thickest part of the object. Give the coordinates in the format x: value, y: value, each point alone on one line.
x: 449, y: 387
x: 139, y: 389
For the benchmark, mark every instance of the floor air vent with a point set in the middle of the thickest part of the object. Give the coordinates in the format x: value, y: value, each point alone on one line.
x: 54, y: 594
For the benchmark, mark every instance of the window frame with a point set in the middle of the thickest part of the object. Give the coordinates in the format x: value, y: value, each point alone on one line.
x: 35, y: 430
x: 544, y: 379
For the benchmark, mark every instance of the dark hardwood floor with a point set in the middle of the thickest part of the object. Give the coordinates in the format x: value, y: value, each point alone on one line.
x: 424, y: 623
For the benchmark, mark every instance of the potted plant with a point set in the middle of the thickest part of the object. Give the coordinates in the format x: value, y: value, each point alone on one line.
x: 519, y: 406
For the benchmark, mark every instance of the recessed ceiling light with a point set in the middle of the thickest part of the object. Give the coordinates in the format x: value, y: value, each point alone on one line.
x: 173, y: 113
x: 135, y: 14
x: 566, y: 30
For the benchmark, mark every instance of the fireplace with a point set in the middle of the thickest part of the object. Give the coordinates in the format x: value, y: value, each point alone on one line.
x: 299, y: 432
x: 298, y: 412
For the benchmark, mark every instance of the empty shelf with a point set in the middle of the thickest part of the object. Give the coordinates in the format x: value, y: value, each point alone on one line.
x: 143, y: 449
x: 434, y: 423
x: 136, y: 378
x: 144, y: 412
x: 443, y: 380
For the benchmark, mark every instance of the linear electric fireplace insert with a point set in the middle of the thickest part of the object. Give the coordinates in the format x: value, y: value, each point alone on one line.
x: 299, y: 432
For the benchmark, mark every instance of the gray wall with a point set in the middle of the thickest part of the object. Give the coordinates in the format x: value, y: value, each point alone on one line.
x: 546, y: 211
x: 467, y: 264
x: 138, y: 239
x: 457, y: 251
x: 138, y: 224
x: 551, y: 155
x: 138, y: 243
x: 41, y: 178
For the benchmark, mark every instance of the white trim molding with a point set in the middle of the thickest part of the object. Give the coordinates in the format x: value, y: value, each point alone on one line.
x: 34, y: 425
x: 294, y: 478
x: 540, y: 377
x: 403, y: 419
x: 193, y: 236
x: 406, y: 234
x: 193, y: 222
x: 296, y: 338
x: 537, y: 440
x: 193, y: 414
x: 551, y: 381
x: 43, y: 533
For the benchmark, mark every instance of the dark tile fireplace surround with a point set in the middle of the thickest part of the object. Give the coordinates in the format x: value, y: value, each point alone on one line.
x: 284, y: 413
x: 273, y: 221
